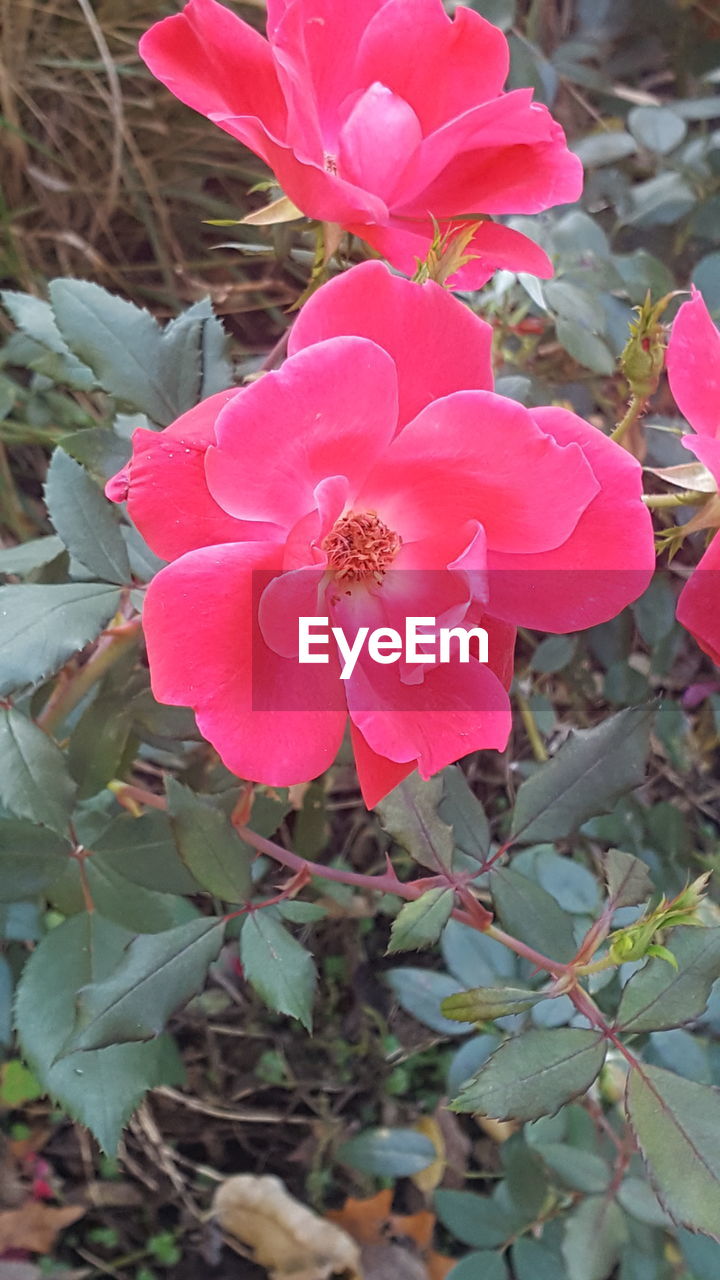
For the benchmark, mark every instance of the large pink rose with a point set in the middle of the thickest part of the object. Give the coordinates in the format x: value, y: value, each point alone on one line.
x: 693, y: 365
x: 376, y: 114
x: 373, y: 477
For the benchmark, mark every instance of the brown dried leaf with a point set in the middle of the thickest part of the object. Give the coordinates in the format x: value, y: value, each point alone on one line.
x: 286, y: 1237
x: 35, y: 1226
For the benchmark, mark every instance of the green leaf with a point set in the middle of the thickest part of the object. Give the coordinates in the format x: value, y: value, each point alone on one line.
x: 6, y: 998
x: 627, y: 878
x: 42, y: 626
x: 589, y: 349
x: 34, y: 317
x: 553, y: 654
x: 157, y: 974
x: 136, y: 908
x: 278, y: 967
x: 388, y: 1153
x: 102, y: 451
x: 480, y: 1265
x: 208, y: 845
x: 474, y: 958
x: 530, y: 913
x: 85, y: 520
x: 581, y: 1170
x: 533, y: 1261
x: 420, y: 992
x: 102, y: 1088
x: 99, y: 741
x: 594, y: 1235
x: 604, y: 148
x: 31, y: 859
x: 592, y: 769
x: 657, y: 128
x: 460, y: 808
x: 573, y: 887
x: 27, y: 556
x: 475, y: 1220
x: 534, y: 1074
x: 143, y: 851
x: 701, y: 1255
x: 410, y: 815
x: 659, y: 997
x: 677, y: 1126
x: 418, y: 924
x: 34, y: 781
x: 483, y: 1004
x: 161, y: 374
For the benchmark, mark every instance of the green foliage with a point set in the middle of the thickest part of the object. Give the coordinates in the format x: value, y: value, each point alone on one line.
x: 103, y: 1087
x: 534, y: 1074
x: 42, y: 626
x: 277, y: 966
x: 484, y: 1004
x: 660, y: 996
x: 676, y: 1126
x: 85, y: 521
x: 35, y: 782
x: 418, y: 924
x: 209, y: 847
x: 388, y: 1153
x: 157, y: 974
x: 587, y: 776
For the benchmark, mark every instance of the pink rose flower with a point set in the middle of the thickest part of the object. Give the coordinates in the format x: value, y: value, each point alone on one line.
x: 375, y: 476
x: 693, y: 365
x: 375, y: 114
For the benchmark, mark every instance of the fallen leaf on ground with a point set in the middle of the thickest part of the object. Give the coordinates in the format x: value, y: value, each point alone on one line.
x: 35, y: 1226
x: 372, y: 1223
x: 286, y: 1237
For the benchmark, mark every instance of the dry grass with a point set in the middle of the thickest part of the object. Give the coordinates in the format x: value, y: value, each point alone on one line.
x: 105, y: 175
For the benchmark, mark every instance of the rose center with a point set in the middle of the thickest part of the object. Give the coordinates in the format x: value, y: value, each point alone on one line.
x: 360, y: 546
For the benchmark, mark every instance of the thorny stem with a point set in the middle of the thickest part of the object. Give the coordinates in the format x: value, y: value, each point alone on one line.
x: 635, y: 410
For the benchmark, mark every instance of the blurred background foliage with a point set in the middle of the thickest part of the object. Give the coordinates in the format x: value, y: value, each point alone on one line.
x: 106, y: 177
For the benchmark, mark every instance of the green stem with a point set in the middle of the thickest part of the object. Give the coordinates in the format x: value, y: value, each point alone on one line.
x: 71, y: 689
x: 666, y: 501
x: 538, y: 746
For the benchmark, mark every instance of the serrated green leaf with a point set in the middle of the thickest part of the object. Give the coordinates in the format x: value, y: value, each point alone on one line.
x: 534, y: 1074
x: 484, y: 1004
x: 659, y: 996
x: 590, y: 772
x: 388, y: 1153
x: 278, y: 967
x: 530, y: 913
x: 102, y: 451
x: 158, y: 973
x: 461, y: 809
x: 594, y: 1235
x: 34, y: 780
x: 208, y: 845
x: 677, y: 1126
x: 101, y: 1088
x: 34, y: 317
x: 27, y: 556
x: 161, y: 374
x: 418, y: 924
x: 627, y: 878
x: 31, y: 859
x: 42, y: 626
x: 410, y: 815
x: 85, y: 520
